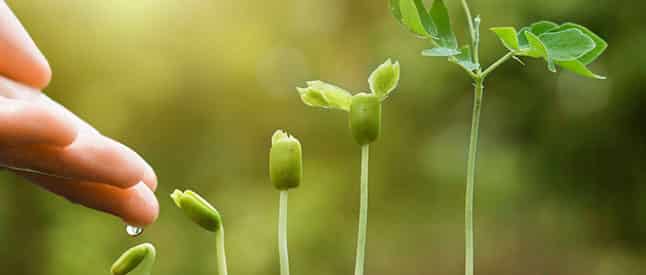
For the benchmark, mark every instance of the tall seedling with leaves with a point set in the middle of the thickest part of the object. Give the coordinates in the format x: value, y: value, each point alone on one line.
x: 568, y: 46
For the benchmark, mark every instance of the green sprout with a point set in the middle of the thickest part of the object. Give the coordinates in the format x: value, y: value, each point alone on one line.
x: 365, y: 124
x: 205, y: 215
x: 569, y: 46
x: 139, y: 259
x: 286, y: 172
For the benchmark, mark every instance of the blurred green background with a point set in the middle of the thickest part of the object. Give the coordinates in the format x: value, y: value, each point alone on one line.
x: 198, y: 87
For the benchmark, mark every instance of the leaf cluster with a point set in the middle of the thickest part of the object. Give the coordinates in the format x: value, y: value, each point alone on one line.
x: 383, y: 81
x: 569, y: 46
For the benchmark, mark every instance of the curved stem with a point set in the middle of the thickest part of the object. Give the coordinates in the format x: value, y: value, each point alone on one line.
x: 363, y: 212
x: 471, y: 173
x: 282, y: 233
x: 222, y: 258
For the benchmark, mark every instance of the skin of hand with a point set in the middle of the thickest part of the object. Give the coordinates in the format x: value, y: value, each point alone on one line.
x: 39, y: 134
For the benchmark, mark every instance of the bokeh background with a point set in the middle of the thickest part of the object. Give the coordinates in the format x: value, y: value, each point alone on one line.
x: 198, y: 87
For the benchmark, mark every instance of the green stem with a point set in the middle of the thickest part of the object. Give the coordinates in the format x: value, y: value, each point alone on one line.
x: 282, y: 233
x: 496, y: 64
x: 222, y: 258
x: 471, y: 174
x: 472, y: 32
x: 363, y: 212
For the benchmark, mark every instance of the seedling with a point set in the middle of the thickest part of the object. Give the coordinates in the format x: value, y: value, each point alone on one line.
x: 206, y: 216
x: 365, y: 124
x: 568, y: 46
x: 139, y: 259
x: 285, y: 172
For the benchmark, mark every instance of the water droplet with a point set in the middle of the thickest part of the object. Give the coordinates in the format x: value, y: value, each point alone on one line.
x: 133, y: 230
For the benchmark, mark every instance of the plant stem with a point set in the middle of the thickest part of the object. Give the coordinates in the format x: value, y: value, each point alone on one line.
x: 222, y: 258
x: 496, y: 64
x: 472, y: 31
x: 471, y: 173
x: 363, y: 212
x: 282, y: 233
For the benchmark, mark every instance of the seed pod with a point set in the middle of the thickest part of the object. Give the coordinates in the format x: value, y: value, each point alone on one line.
x: 198, y: 209
x: 365, y: 118
x: 132, y: 258
x: 285, y: 161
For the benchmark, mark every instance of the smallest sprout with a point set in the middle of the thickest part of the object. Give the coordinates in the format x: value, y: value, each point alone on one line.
x: 198, y: 209
x: 285, y: 161
x: 133, y: 258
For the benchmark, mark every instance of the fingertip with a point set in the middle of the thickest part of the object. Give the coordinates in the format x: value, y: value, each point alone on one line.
x: 100, y: 159
x: 41, y: 75
x: 136, y: 205
x: 150, y: 178
x: 141, y: 208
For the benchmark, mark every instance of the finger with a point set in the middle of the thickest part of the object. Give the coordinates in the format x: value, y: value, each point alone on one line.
x: 14, y: 90
x: 20, y: 59
x: 24, y: 122
x: 136, y: 205
x: 150, y: 178
x: 91, y: 158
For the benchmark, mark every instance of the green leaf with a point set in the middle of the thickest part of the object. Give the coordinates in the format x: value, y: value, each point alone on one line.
x: 384, y: 79
x: 567, y: 45
x: 578, y: 67
x: 541, y: 27
x: 536, y: 47
x: 198, y: 209
x: 508, y: 37
x: 536, y: 28
x: 133, y: 258
x: 522, y: 38
x: 537, y: 50
x: 440, y: 51
x: 600, y: 44
x: 440, y: 16
x: 413, y: 15
x: 465, y: 59
x: 325, y: 95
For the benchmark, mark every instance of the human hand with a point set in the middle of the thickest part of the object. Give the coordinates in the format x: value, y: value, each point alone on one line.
x: 43, y: 142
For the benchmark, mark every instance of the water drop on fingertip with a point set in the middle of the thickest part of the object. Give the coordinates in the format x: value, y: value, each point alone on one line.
x: 133, y: 230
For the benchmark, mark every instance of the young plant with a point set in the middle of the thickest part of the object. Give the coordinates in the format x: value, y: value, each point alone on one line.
x: 568, y: 46
x: 285, y: 172
x: 365, y: 123
x: 139, y: 259
x: 206, y: 216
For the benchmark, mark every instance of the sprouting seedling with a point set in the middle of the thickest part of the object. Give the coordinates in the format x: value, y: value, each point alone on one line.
x: 206, y: 216
x: 285, y: 172
x: 569, y: 46
x: 139, y: 259
x: 365, y: 123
